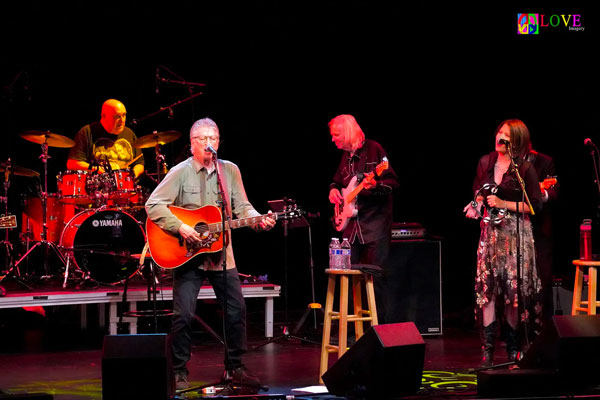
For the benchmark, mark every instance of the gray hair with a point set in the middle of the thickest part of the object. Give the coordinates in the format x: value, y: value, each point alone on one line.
x: 204, y: 123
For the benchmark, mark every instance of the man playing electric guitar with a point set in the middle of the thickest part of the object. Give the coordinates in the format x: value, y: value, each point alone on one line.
x: 192, y: 184
x: 369, y: 232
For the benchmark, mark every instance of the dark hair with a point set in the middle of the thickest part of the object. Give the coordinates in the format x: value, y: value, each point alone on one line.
x: 519, y: 137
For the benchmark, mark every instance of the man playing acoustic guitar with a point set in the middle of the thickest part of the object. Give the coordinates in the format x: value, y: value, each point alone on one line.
x: 364, y: 163
x: 189, y: 185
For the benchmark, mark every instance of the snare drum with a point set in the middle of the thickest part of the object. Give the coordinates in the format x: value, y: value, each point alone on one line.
x: 72, y: 187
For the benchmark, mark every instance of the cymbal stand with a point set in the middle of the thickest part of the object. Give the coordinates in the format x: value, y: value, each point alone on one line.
x: 6, y: 242
x: 161, y: 165
x: 45, y: 243
x: 12, y: 268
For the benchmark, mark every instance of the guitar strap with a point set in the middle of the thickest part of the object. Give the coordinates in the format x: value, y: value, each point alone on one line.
x: 223, y: 176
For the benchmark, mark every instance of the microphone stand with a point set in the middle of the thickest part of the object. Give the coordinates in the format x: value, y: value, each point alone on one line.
x: 594, y: 154
x: 524, y: 199
x: 225, y: 223
x: 135, y: 121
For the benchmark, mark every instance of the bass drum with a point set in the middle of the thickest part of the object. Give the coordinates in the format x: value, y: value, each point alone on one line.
x: 107, y: 244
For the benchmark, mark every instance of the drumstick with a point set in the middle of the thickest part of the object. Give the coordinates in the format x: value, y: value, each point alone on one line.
x: 134, y: 160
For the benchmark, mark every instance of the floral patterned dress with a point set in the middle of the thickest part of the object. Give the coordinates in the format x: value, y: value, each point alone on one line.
x: 497, y: 276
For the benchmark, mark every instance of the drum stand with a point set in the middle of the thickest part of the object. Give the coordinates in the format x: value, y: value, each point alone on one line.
x: 152, y: 280
x: 46, y: 245
x: 11, y: 267
x: 161, y: 165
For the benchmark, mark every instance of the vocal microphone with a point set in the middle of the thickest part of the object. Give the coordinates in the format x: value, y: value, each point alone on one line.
x: 156, y: 80
x: 504, y: 142
x: 588, y: 142
x: 210, y: 149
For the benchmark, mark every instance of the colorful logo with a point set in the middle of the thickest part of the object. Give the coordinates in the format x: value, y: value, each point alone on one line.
x: 527, y: 24
x: 531, y: 24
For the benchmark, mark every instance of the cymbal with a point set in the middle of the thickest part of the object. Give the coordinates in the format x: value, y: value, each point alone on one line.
x: 156, y: 138
x: 51, y: 139
x: 19, y: 171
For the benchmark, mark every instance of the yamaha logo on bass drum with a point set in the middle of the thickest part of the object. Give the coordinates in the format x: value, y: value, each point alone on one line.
x: 107, y: 222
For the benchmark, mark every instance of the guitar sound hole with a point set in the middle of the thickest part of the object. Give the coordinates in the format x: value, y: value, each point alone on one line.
x: 202, y: 229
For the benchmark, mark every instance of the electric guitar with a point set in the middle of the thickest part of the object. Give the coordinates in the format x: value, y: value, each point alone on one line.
x: 8, y: 221
x: 347, y: 210
x: 171, y: 251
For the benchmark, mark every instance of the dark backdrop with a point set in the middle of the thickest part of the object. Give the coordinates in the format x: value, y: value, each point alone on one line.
x: 430, y: 83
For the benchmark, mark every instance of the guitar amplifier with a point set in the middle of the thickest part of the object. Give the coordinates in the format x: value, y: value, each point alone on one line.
x: 407, y: 230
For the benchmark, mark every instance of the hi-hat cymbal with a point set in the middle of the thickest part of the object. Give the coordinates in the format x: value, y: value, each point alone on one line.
x: 19, y: 171
x: 156, y: 138
x: 51, y: 139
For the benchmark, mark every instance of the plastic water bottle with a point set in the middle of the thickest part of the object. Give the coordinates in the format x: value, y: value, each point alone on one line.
x: 335, y: 251
x: 585, y: 240
x: 346, y: 254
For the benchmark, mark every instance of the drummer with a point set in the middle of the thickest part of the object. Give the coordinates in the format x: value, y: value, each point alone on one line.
x: 107, y: 141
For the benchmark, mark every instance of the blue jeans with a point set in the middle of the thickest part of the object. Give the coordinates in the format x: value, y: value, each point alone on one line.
x: 187, y: 281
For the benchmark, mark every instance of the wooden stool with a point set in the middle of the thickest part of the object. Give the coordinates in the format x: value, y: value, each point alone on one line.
x: 358, y: 317
x: 588, y: 307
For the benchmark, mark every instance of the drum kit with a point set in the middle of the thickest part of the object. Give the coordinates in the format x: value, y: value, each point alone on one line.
x: 92, y: 224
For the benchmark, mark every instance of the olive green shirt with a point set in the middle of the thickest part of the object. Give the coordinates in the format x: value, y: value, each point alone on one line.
x: 190, y: 185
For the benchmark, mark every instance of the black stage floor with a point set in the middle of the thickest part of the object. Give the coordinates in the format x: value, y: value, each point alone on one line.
x: 50, y: 354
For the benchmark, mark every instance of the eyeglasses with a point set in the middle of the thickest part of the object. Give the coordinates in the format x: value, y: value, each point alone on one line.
x: 206, y: 139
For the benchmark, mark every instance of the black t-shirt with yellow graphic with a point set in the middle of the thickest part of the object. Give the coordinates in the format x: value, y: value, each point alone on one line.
x: 93, y: 143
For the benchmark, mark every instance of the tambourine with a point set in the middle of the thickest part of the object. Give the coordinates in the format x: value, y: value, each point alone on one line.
x: 494, y: 215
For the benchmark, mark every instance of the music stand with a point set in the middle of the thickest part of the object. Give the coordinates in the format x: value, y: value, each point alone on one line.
x: 279, y: 206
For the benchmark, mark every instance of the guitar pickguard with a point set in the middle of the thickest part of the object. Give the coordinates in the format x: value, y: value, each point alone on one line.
x: 207, y: 240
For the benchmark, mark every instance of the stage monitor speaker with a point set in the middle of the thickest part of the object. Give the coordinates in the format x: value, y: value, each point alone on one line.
x: 570, y: 345
x: 386, y: 362
x: 415, y: 285
x: 137, y: 367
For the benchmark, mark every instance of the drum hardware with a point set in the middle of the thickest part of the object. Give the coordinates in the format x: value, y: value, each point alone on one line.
x: 493, y: 215
x: 152, y: 281
x: 156, y: 139
x: 12, y: 269
x: 45, y: 139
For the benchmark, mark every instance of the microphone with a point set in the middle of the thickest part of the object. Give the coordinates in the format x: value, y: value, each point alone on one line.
x: 156, y: 81
x: 588, y: 142
x: 210, y: 149
x: 504, y: 142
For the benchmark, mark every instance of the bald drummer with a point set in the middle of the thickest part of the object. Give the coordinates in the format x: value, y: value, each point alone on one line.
x: 107, y: 139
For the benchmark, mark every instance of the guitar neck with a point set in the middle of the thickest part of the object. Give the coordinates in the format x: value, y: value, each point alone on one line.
x: 352, y: 195
x: 241, y: 222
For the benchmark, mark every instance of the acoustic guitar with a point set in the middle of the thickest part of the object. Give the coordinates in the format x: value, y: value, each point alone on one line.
x: 8, y: 221
x: 171, y: 251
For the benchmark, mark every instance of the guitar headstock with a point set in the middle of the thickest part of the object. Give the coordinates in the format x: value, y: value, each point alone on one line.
x: 291, y: 211
x: 549, y: 182
x: 382, y: 166
x: 8, y: 221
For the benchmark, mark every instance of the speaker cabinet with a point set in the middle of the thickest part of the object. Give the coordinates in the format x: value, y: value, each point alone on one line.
x: 570, y: 346
x: 137, y: 367
x: 386, y: 362
x: 414, y: 291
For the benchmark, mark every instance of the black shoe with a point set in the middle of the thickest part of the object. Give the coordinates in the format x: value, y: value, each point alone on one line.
x: 181, y: 380
x: 241, y: 377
